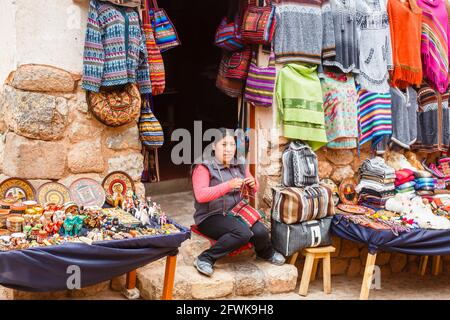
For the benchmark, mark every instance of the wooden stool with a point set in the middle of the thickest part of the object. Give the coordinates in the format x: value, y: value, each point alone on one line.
x: 436, y: 265
x: 310, y: 268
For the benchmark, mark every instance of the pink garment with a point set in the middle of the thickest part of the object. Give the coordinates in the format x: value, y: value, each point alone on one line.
x: 399, y: 182
x: 435, y: 43
x: 204, y: 193
x: 403, y: 174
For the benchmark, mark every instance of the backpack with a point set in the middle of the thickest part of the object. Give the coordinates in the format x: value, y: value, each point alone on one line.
x: 300, y: 165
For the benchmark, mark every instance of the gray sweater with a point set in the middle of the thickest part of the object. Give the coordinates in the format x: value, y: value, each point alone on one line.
x: 375, y: 45
x: 304, y: 32
x: 346, y: 36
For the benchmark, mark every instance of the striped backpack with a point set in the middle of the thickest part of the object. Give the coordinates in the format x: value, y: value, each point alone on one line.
x: 260, y: 85
x: 165, y: 34
x: 300, y: 165
x: 150, y: 130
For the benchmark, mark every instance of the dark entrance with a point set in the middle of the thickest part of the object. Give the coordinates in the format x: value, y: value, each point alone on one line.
x: 191, y: 69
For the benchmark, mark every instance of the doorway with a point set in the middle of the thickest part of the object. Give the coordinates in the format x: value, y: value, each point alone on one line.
x: 191, y: 70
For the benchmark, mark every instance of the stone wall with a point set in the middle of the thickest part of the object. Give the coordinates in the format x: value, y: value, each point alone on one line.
x: 48, y: 134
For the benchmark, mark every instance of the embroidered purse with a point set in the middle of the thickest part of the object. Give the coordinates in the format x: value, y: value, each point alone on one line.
x: 261, y: 83
x: 258, y: 24
x: 165, y: 34
x: 244, y: 211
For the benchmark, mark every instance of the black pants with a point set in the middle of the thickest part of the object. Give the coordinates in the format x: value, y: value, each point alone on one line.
x: 231, y: 234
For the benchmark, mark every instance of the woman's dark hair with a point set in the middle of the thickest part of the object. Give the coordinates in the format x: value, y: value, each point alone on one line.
x: 219, y: 134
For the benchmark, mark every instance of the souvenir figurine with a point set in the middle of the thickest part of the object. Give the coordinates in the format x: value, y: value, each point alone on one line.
x: 128, y: 203
x: 117, y: 196
x: 67, y: 227
x: 59, y: 216
x: 162, y: 219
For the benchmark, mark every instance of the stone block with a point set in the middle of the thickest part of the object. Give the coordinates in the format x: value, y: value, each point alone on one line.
x: 86, y: 157
x: 349, y: 249
x: 34, y: 159
x: 249, y: 279
x: 35, y: 115
x: 279, y: 279
x: 342, y: 173
x: 132, y: 163
x: 354, y: 268
x: 43, y: 78
x: 398, y: 262
x: 124, y: 139
x: 339, y: 157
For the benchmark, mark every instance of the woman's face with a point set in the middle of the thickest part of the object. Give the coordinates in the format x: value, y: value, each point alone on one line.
x: 225, y: 149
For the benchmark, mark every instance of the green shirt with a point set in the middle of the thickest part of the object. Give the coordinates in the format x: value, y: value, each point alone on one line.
x: 300, y: 104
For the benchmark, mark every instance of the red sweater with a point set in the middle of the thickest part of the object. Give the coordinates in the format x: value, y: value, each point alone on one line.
x: 204, y: 193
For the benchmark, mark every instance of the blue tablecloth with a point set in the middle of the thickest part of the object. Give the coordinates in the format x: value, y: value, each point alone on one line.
x: 45, y: 269
x: 416, y: 242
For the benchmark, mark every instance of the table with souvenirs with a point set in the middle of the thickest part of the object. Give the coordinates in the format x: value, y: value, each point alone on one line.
x: 398, y: 205
x: 102, y: 230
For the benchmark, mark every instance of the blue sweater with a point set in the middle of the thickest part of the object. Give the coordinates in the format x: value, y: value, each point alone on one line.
x: 115, y: 48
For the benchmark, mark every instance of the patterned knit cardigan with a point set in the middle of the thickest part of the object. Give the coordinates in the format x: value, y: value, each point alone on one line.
x: 115, y: 52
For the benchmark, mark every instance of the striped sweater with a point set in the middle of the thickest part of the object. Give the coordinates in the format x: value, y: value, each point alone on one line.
x: 374, y: 116
x: 304, y: 31
x: 434, y: 48
x: 115, y: 52
x: 433, y: 121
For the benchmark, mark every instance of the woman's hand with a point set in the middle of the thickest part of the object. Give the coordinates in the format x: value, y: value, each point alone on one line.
x: 250, y: 182
x: 235, y: 183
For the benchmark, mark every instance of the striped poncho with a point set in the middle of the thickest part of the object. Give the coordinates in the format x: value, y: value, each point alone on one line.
x: 434, y: 46
x: 374, y: 116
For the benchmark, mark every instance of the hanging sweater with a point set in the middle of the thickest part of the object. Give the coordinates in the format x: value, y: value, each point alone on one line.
x: 304, y: 32
x: 115, y: 52
x: 374, y: 116
x: 405, y: 20
x: 434, y: 47
x: 346, y: 36
x: 300, y: 105
x: 340, y: 108
x: 375, y: 45
x: 433, y: 122
x: 404, y: 117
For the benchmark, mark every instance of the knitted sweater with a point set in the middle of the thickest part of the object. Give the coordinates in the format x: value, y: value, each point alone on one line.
x: 115, y: 52
x: 300, y: 104
x: 304, y: 32
x: 375, y: 45
x: 434, y: 48
x: 346, y: 36
x: 405, y: 20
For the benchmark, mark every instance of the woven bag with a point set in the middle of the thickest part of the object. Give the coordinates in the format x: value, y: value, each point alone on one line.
x: 150, y: 130
x: 258, y: 24
x: 115, y: 107
x: 260, y: 85
x: 165, y: 34
x: 155, y: 60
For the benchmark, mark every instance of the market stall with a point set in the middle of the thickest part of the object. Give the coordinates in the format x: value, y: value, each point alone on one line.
x: 100, y: 231
x: 416, y: 242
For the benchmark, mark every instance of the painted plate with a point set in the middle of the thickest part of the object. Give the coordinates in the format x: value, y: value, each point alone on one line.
x: 17, y: 188
x: 353, y: 208
x: 117, y: 181
x: 347, y: 192
x: 87, y: 192
x: 53, y: 192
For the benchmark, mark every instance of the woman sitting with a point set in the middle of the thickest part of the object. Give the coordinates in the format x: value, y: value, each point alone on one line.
x: 217, y: 183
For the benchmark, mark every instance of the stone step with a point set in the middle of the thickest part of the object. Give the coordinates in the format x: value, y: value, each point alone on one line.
x: 234, y: 279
